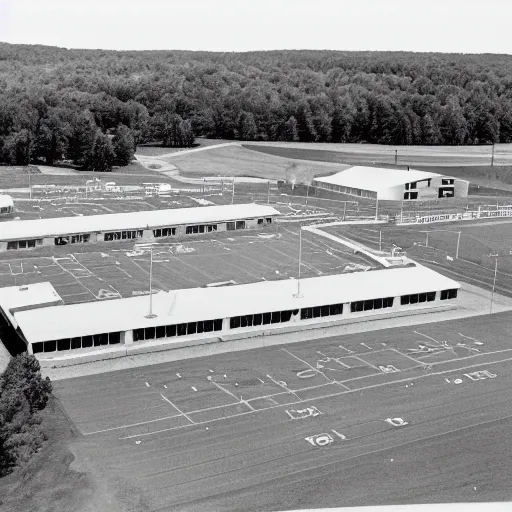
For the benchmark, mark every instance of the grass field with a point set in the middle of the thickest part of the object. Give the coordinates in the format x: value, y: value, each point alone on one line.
x: 304, y: 425
x: 107, y: 271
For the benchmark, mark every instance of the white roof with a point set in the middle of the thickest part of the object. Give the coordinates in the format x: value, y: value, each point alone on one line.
x: 375, y: 178
x: 22, y: 229
x: 19, y: 298
x: 5, y: 200
x: 189, y: 305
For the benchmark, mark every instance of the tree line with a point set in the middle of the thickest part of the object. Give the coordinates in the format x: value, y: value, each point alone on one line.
x: 94, y: 107
x: 23, y: 394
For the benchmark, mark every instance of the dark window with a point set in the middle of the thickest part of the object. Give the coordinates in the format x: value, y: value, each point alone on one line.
x: 31, y: 243
x: 96, y: 340
x: 149, y: 333
x: 405, y: 299
x: 50, y: 346
x: 306, y: 313
x: 114, y: 338
x: 336, y: 309
x: 316, y: 312
x: 208, y: 326
x: 124, y: 235
x: 138, y: 334
x: 22, y: 244
x: 37, y: 347
x: 76, y: 343
x: 64, y: 344
x: 414, y: 298
x: 407, y: 186
x: 267, y: 317
x: 230, y: 226
x: 368, y: 304
x: 447, y: 182
x: 86, y: 341
x: 452, y: 294
x: 286, y: 316
x: 357, y: 306
x: 422, y: 297
x: 200, y: 327
x: 182, y: 329
x: 170, y: 331
x: 191, y: 328
x: 234, y: 322
x: 260, y: 221
x: 324, y: 310
x: 157, y: 232
x: 188, y: 230
x: 431, y: 296
x: 414, y: 186
x: 217, y: 324
x: 201, y: 229
x: 258, y: 318
x: 387, y: 302
x: 377, y: 304
x: 104, y: 339
x: 160, y: 331
x: 240, y: 224
x: 246, y: 321
x: 413, y: 195
x: 444, y: 294
x: 12, y: 245
x: 276, y: 317
x: 406, y: 195
x: 269, y: 220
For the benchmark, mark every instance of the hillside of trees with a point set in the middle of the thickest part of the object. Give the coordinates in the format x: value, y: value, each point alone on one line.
x: 92, y: 107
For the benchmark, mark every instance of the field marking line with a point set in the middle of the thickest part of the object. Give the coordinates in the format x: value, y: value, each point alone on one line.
x: 426, y: 336
x: 344, y: 348
x: 131, y: 425
x: 181, y: 412
x: 366, y: 362
x: 332, y: 395
x: 238, y: 400
x: 418, y: 363
x: 282, y: 384
x: 306, y: 363
x: 468, y: 337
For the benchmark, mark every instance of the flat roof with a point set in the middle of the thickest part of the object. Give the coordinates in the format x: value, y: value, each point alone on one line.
x: 24, y: 229
x: 189, y: 305
x: 375, y: 178
x: 5, y: 200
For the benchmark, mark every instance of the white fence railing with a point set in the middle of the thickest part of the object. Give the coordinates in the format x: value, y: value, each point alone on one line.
x: 503, y: 211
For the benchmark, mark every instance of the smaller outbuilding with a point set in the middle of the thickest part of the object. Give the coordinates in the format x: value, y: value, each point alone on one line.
x: 393, y: 184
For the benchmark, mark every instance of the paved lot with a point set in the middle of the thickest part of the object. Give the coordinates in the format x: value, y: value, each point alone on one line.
x: 253, y: 429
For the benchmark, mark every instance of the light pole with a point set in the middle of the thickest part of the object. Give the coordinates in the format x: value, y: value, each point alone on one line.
x: 492, y: 155
x: 458, y: 243
x: 380, y: 241
x: 151, y: 314
x: 377, y: 209
x: 494, y: 280
x: 268, y: 193
x: 233, y: 192
x: 298, y: 294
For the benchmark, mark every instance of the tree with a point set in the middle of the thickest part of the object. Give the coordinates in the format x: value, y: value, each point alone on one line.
x: 103, y: 156
x: 246, y: 126
x: 305, y: 125
x: 17, y: 148
x: 176, y: 132
x: 291, y: 132
x: 52, y: 137
x: 83, y: 133
x: 123, y: 144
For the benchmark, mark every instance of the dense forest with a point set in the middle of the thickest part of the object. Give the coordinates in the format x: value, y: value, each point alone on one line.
x: 93, y: 107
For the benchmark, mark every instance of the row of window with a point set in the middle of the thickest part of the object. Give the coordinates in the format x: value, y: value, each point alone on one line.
x: 445, y: 181
x: 97, y: 340
x: 123, y: 235
x: 6, y: 209
x: 449, y: 294
x: 367, y: 305
x: 347, y: 190
x: 239, y: 224
x: 410, y: 195
x: 169, y: 331
x: 74, y: 239
x: 201, y: 228
x: 274, y: 317
x: 24, y: 244
x: 417, y: 297
x: 319, y: 311
x: 164, y: 232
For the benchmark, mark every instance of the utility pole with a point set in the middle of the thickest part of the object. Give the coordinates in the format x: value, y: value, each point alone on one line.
x: 29, y: 182
x: 492, y: 155
x: 307, y: 193
x: 298, y: 294
x: 458, y: 243
x: 377, y: 209
x: 380, y: 241
x: 268, y: 194
x: 494, y: 280
x: 151, y: 314
x: 396, y: 156
x: 233, y: 192
x: 344, y: 210
x: 426, y: 242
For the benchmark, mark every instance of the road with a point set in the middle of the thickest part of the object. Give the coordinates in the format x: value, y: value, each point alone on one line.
x: 237, y: 431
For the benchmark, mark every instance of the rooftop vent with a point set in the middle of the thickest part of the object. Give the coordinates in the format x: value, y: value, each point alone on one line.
x: 23, y: 288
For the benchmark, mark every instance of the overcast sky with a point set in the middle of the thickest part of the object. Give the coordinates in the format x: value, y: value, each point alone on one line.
x: 468, y: 26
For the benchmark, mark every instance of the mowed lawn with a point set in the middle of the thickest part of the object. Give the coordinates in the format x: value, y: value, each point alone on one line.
x: 238, y: 161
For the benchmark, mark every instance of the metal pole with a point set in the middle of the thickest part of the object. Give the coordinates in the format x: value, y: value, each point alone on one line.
x: 233, y: 192
x: 426, y: 243
x: 298, y: 295
x: 377, y: 209
x: 494, y: 282
x: 380, y: 241
x: 344, y: 210
x: 307, y: 193
x: 396, y: 156
x: 492, y: 155
x: 458, y: 243
x: 268, y: 195
x: 29, y: 182
x: 151, y: 314
x: 401, y: 212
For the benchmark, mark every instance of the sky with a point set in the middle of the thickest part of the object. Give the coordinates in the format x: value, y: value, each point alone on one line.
x: 462, y: 26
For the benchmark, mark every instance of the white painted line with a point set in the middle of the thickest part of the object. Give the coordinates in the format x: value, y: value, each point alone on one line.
x: 181, y: 412
x: 366, y: 362
x: 469, y: 338
x: 429, y: 337
x: 365, y: 345
x: 331, y: 395
x: 344, y: 348
x: 262, y: 381
x: 194, y: 388
x: 130, y: 425
x: 419, y: 363
x: 238, y: 400
x: 147, y: 384
x: 283, y: 385
x: 306, y: 363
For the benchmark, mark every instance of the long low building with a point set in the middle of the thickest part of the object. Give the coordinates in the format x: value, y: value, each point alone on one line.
x: 146, y: 225
x: 393, y: 184
x: 47, y: 327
